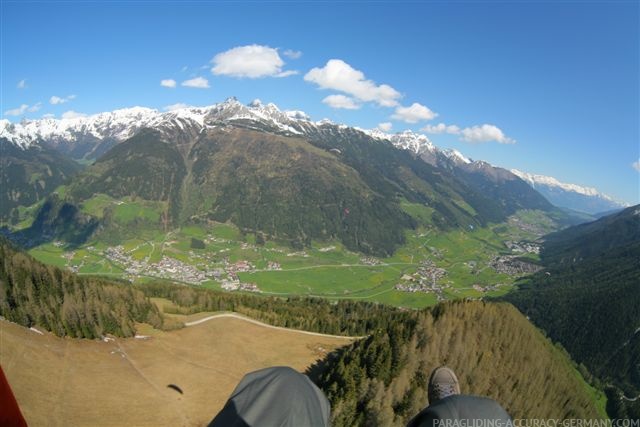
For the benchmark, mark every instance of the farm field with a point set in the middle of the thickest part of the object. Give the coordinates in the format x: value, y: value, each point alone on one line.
x: 53, y: 378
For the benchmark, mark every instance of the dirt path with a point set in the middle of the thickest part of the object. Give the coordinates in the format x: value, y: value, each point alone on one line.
x: 256, y: 322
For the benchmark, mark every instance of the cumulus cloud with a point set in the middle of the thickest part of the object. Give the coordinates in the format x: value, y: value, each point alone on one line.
x: 22, y: 84
x: 252, y: 61
x: 442, y: 128
x: 341, y: 101
x: 485, y: 133
x: 168, y: 83
x: 17, y: 111
x: 340, y: 76
x: 414, y: 113
x: 636, y: 165
x: 197, y: 82
x: 473, y: 134
x: 177, y: 106
x: 23, y: 109
x: 385, y: 127
x: 292, y: 54
x: 55, y: 100
x: 48, y: 116
x: 72, y: 115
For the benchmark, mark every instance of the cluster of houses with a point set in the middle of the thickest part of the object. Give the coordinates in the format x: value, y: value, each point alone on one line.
x: 535, y: 229
x: 523, y: 247
x: 425, y: 279
x: 167, y: 267
x: 511, y: 265
x: 241, y: 266
x: 171, y: 268
x: 273, y: 266
x: 232, y: 283
x: 367, y: 260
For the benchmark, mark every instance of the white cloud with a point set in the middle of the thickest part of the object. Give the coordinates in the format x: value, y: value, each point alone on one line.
x: 48, y: 116
x: 340, y: 76
x: 414, y: 113
x: 253, y: 61
x: 23, y: 109
x: 485, y: 133
x: 22, y: 84
x: 481, y: 133
x: 17, y: 111
x: 197, y: 82
x: 35, y: 107
x: 177, y: 106
x: 72, y: 115
x: 292, y: 54
x: 442, y: 128
x: 636, y: 165
x: 168, y: 83
x: 55, y: 100
x: 286, y: 73
x: 341, y: 101
x: 385, y: 127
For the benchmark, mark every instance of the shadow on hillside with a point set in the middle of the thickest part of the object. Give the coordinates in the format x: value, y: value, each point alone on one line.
x: 56, y: 220
x: 315, y: 371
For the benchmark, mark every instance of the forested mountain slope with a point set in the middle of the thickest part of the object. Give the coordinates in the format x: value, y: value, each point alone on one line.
x: 588, y: 296
x: 496, y: 352
x: 32, y: 293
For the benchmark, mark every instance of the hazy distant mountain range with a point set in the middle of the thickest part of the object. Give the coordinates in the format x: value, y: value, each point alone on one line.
x: 575, y: 197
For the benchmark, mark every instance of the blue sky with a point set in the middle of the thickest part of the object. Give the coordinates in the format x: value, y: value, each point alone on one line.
x: 557, y: 81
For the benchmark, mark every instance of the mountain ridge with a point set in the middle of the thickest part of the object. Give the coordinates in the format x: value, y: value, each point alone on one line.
x: 89, y: 137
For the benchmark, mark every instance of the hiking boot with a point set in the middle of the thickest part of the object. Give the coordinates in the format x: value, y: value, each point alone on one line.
x: 442, y: 383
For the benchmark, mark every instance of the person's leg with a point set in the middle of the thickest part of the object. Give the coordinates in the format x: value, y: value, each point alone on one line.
x: 447, y: 404
x: 275, y: 396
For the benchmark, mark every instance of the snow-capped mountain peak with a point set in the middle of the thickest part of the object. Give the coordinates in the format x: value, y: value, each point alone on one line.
x: 577, y: 197
x: 534, y: 180
x: 417, y: 143
x: 456, y: 156
x: 123, y: 123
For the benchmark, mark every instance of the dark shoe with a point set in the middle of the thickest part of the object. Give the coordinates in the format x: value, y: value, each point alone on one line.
x: 442, y: 383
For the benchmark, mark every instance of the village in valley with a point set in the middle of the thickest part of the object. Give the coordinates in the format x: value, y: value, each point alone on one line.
x: 427, y: 269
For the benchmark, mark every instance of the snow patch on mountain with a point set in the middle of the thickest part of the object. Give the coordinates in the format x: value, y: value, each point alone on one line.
x: 456, y: 156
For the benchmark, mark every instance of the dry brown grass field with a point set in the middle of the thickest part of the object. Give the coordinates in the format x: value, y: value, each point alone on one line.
x: 70, y: 382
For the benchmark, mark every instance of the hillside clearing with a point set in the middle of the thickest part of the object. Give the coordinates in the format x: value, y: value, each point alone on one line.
x: 80, y: 382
